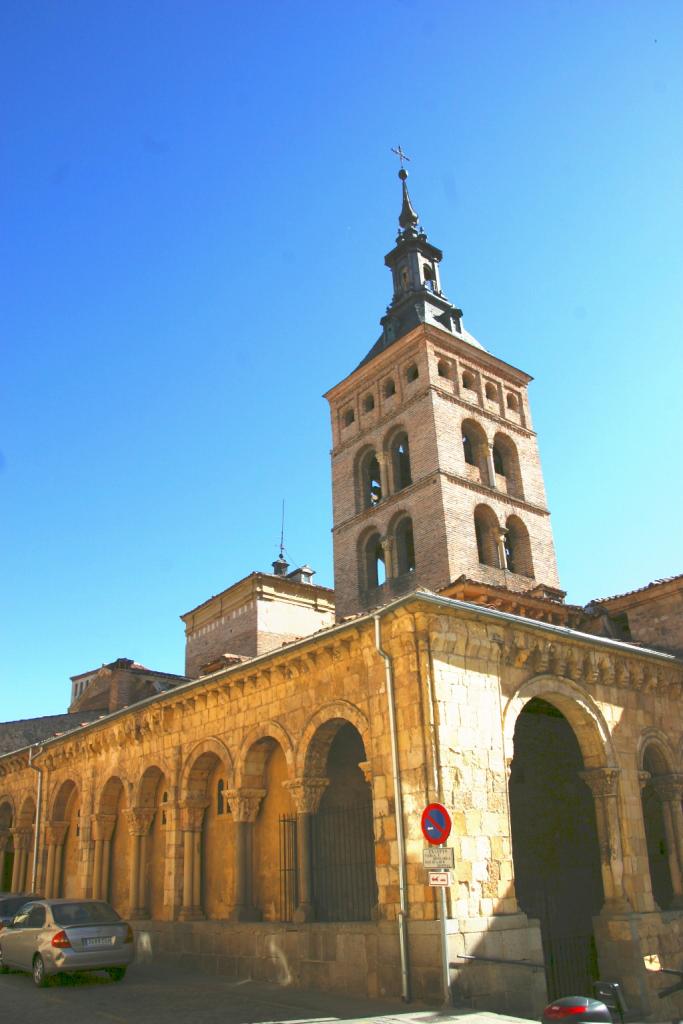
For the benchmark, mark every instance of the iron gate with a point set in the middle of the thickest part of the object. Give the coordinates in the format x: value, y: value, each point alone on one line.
x: 343, y: 855
x: 570, y: 955
x: 342, y: 862
x: 289, y: 879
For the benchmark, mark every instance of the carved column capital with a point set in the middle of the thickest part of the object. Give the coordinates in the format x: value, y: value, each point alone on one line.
x: 55, y: 833
x: 307, y: 793
x: 103, y: 826
x: 245, y: 803
x: 192, y: 815
x: 643, y: 779
x: 366, y: 769
x: 602, y: 781
x: 22, y: 837
x: 668, y: 787
x: 5, y: 836
x: 139, y: 820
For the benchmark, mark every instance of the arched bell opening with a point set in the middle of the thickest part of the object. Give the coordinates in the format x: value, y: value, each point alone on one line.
x: 555, y: 845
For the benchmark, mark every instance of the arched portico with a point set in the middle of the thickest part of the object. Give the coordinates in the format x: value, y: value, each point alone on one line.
x: 566, y: 832
x: 661, y: 794
x: 62, y: 837
x: 6, y: 846
x: 206, y: 824
x: 335, y: 839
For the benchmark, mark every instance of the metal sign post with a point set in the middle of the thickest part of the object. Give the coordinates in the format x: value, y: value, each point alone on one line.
x: 436, y: 828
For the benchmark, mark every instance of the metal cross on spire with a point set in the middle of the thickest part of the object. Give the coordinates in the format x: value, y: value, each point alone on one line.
x: 400, y: 154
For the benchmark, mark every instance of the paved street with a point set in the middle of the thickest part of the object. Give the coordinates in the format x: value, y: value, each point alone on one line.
x: 152, y: 995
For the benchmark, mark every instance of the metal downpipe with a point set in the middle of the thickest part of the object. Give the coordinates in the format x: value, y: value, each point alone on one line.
x: 398, y: 804
x: 39, y: 811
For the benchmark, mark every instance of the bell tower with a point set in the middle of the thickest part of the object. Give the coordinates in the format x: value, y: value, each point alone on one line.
x: 436, y: 474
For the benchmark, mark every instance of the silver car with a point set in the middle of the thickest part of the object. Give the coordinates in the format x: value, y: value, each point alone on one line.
x: 48, y: 937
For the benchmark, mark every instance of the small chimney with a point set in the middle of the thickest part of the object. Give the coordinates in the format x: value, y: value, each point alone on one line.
x: 302, y: 575
x: 280, y: 566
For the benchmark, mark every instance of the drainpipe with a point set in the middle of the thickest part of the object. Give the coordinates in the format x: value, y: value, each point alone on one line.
x: 39, y: 810
x: 398, y: 805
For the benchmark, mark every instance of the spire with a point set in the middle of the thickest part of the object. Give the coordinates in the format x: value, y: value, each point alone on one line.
x: 414, y: 264
x: 408, y: 219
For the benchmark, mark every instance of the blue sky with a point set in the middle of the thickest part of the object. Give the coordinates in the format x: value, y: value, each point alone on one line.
x: 196, y: 201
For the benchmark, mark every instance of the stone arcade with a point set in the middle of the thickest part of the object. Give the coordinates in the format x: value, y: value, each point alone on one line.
x: 261, y: 815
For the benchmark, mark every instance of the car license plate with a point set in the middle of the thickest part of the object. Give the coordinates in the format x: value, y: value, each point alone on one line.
x: 107, y: 940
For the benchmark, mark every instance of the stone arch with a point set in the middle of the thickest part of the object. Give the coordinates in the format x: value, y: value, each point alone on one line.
x: 64, y: 793
x: 7, y: 812
x: 402, y: 539
x: 475, y: 448
x: 518, y: 547
x: 255, y: 750
x: 143, y: 792
x: 371, y: 560
x: 656, y: 760
x: 319, y: 732
x: 112, y: 814
x: 27, y: 814
x: 487, y: 534
x: 147, y: 795
x: 654, y: 747
x: 577, y: 706
x: 199, y: 764
x: 7, y: 819
x: 264, y: 770
x: 506, y: 464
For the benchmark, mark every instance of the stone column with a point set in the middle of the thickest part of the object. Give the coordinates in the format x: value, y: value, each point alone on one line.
x: 383, y: 474
x: 306, y: 794
x: 139, y: 822
x: 245, y: 804
x: 500, y: 536
x: 490, y: 465
x: 604, y: 785
x: 54, y: 840
x: 102, y: 831
x: 669, y: 789
x: 191, y: 818
x: 22, y: 838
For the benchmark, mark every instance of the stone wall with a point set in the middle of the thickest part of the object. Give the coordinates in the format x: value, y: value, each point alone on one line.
x: 131, y: 802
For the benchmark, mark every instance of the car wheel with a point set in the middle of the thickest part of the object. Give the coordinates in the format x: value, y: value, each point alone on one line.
x: 39, y: 975
x: 116, y: 973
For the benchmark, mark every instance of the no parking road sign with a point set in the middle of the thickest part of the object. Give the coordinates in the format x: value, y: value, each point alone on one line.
x: 436, y: 824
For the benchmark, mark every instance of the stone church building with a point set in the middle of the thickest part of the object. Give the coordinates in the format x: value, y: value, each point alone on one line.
x: 260, y: 815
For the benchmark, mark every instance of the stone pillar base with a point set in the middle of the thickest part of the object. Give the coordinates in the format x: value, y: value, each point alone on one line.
x: 245, y: 913
x: 138, y: 913
x: 303, y: 913
x: 191, y: 914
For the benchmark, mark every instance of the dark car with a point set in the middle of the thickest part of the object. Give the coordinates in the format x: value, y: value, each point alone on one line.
x: 11, y: 903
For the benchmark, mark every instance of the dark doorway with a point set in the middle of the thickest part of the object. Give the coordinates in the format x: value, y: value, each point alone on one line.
x: 555, y: 846
x: 343, y: 843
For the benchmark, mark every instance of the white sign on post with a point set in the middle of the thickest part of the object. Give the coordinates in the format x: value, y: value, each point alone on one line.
x: 439, y: 878
x: 438, y: 857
